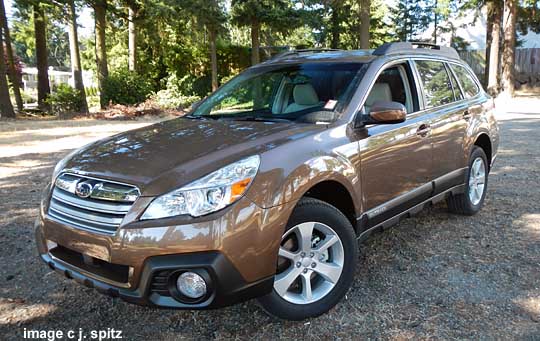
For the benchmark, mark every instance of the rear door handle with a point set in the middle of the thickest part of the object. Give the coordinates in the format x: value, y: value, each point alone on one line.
x: 423, y: 130
x: 467, y: 115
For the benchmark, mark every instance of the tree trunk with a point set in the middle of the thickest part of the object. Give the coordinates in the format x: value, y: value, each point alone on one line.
x: 75, y: 56
x: 6, y: 109
x: 100, y: 9
x: 489, y: 36
x: 436, y: 21
x: 509, y: 28
x: 435, y: 28
x: 334, y: 43
x: 44, y: 89
x: 213, y: 58
x: 255, y: 59
x: 132, y: 39
x: 13, y: 76
x: 255, y: 44
x: 494, y: 49
x: 365, y: 11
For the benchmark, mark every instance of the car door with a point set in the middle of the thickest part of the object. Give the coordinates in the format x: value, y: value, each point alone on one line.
x: 445, y: 105
x: 395, y: 158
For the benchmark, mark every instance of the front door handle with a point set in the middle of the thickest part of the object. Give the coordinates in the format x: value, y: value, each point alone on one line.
x: 423, y: 130
x: 467, y: 115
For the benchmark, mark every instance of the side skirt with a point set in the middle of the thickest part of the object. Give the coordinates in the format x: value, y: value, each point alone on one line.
x: 407, y: 213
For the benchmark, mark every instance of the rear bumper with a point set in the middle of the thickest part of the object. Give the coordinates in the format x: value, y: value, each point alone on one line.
x: 226, y: 284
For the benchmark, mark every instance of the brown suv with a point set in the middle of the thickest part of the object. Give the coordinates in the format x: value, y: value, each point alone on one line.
x: 266, y: 188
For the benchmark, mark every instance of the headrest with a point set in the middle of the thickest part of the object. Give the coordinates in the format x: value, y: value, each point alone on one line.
x: 304, y: 94
x: 381, y: 92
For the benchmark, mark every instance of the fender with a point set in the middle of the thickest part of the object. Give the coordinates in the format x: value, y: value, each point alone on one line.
x: 482, y: 124
x: 273, y: 187
x: 311, y: 173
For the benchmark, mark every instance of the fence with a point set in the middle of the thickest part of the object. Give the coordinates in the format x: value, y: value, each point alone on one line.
x: 527, y: 64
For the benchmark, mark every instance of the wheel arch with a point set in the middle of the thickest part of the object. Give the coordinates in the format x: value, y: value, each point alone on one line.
x: 483, y: 141
x: 336, y: 194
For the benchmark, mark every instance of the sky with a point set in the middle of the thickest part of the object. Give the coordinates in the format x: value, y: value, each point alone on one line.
x: 85, y: 20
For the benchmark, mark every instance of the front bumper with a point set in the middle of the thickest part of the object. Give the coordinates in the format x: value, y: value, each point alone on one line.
x: 236, y: 248
x: 227, y: 284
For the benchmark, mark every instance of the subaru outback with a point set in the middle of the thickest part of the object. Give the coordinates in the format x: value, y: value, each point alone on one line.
x: 266, y: 188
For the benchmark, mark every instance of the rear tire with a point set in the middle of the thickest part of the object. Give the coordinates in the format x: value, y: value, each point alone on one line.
x: 315, y: 263
x: 471, y: 201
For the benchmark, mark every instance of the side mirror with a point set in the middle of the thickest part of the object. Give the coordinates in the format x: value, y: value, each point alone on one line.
x: 384, y: 112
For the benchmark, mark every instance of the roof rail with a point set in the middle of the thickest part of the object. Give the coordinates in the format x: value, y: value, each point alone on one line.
x: 415, y: 48
x: 297, y: 52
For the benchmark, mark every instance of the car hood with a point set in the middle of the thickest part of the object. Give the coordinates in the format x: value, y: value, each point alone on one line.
x: 169, y: 154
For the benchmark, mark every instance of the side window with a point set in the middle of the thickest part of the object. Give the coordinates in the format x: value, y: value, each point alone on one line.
x: 457, y: 91
x: 436, y: 83
x: 470, y: 88
x: 393, y: 85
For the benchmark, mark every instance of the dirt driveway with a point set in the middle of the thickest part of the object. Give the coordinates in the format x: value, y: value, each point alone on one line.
x: 434, y: 276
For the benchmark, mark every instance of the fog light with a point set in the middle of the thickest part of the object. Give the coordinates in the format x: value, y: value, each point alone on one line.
x: 191, y: 285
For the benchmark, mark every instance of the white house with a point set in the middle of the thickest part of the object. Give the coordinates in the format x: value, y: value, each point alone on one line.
x: 56, y: 77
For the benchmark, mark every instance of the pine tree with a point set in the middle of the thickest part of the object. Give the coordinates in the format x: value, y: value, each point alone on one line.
x: 100, y: 24
x: 509, y: 47
x: 6, y: 108
x: 75, y: 55
x: 40, y: 33
x: 365, y: 11
x: 277, y: 14
x: 410, y: 18
x: 211, y: 14
x: 12, y: 73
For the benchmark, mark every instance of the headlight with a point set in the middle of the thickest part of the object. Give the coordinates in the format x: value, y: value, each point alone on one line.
x: 208, y: 194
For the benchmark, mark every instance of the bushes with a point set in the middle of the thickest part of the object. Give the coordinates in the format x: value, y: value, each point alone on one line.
x: 189, y: 85
x: 178, y: 93
x: 27, y: 97
x: 170, y: 99
x: 91, y: 91
x: 65, y: 99
x: 125, y: 87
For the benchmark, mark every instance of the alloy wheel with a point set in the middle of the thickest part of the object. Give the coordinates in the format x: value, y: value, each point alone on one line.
x: 477, y: 181
x: 310, y: 263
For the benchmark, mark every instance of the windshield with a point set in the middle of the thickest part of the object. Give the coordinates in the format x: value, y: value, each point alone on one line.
x: 305, y: 92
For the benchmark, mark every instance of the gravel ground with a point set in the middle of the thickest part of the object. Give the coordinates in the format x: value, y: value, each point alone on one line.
x: 436, y: 275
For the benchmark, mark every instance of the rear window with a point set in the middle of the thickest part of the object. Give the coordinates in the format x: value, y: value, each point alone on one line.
x: 436, y: 83
x: 469, y: 86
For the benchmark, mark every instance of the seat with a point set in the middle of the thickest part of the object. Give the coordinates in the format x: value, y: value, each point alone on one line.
x: 304, y: 96
x: 380, y: 92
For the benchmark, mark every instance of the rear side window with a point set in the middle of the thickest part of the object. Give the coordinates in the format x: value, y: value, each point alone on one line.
x: 457, y: 92
x: 436, y: 83
x: 469, y: 86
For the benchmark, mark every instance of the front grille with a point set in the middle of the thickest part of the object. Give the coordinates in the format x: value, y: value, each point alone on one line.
x: 159, y: 283
x: 90, y: 204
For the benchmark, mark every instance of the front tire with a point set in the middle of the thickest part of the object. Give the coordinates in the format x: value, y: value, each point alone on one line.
x: 470, y: 202
x: 315, y: 263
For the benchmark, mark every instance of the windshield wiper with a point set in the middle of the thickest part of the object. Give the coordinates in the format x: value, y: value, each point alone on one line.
x: 202, y: 117
x: 261, y: 119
